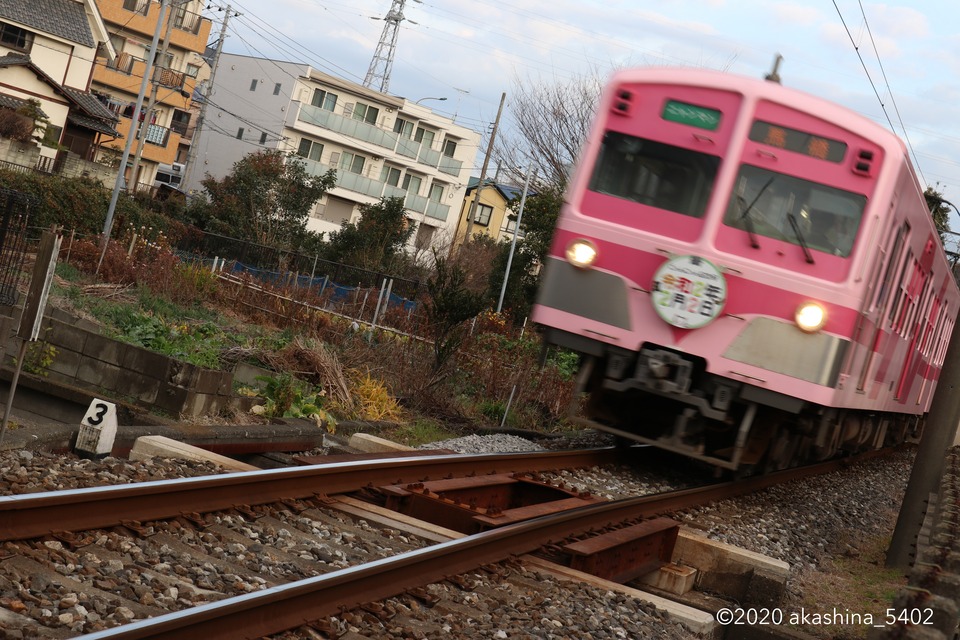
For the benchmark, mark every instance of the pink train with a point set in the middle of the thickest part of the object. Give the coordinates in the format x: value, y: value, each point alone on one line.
x: 750, y: 274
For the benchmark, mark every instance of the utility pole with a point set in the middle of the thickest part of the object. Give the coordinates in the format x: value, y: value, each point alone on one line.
x: 483, y: 171
x: 939, y: 433
x: 148, y: 71
x: 192, y: 152
x: 154, y: 90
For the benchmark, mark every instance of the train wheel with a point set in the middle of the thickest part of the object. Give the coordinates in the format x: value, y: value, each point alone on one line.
x: 784, y: 451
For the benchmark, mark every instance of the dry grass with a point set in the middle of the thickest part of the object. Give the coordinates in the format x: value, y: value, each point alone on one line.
x: 856, y: 583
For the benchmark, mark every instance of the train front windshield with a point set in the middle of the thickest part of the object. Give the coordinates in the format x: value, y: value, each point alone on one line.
x: 655, y: 174
x: 801, y: 212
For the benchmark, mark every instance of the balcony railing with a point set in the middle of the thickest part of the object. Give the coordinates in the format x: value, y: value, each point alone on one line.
x: 408, y: 148
x: 451, y: 166
x: 189, y: 22
x: 359, y: 183
x: 415, y: 203
x: 376, y: 189
x: 429, y: 157
x: 137, y: 6
x: 347, y: 126
x: 437, y: 210
x: 168, y: 78
x: 122, y: 63
x: 156, y: 134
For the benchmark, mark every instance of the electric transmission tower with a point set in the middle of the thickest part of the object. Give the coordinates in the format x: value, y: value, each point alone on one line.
x: 378, y: 75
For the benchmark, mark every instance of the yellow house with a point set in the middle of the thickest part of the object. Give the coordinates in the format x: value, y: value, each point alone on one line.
x: 491, y: 217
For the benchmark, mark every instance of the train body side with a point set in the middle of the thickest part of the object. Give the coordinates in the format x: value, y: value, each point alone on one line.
x: 888, y: 293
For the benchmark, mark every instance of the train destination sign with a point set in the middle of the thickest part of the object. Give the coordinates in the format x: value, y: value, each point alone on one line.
x: 688, y: 292
x: 692, y: 115
x: 808, y: 144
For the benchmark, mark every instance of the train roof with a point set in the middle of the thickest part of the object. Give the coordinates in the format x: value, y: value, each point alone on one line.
x: 766, y: 90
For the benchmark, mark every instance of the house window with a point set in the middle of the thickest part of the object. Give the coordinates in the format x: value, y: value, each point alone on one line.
x: 390, y: 175
x: 484, y: 211
x: 15, y: 37
x: 352, y: 162
x: 403, y: 127
x: 253, y: 85
x: 193, y: 70
x: 276, y: 89
x: 436, y: 192
x: 310, y: 149
x: 240, y: 133
x: 180, y: 121
x: 137, y: 6
x: 425, y: 137
x: 163, y: 60
x: 449, y: 147
x: 424, y: 236
x: 263, y: 137
x: 411, y: 184
x: 366, y: 113
x: 324, y: 100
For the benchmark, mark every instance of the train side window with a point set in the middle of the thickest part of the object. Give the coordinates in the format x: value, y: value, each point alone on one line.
x: 894, y: 259
x: 904, y: 298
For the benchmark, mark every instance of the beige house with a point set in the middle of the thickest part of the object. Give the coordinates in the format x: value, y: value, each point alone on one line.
x: 47, y: 53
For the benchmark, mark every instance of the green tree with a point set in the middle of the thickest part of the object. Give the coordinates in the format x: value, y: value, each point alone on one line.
x: 939, y: 209
x: 449, y: 306
x: 266, y: 199
x: 377, y: 240
x: 540, y: 214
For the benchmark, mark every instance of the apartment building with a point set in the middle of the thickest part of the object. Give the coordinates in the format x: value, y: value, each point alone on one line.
x: 379, y: 144
x: 47, y: 53
x: 161, y: 128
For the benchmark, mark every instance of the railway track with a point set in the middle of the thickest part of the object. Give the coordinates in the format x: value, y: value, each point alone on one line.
x: 305, y: 502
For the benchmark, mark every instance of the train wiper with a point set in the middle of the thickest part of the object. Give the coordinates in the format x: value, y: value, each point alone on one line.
x: 745, y: 215
x: 803, y: 243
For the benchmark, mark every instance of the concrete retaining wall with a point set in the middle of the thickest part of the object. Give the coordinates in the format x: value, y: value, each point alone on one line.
x: 88, y: 360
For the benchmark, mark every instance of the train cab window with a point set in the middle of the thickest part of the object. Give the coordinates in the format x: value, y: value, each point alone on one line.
x: 655, y: 174
x: 791, y: 209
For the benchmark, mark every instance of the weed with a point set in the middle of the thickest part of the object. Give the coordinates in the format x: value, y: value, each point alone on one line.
x: 419, y: 432
x: 38, y: 358
x: 287, y: 397
x: 373, y: 400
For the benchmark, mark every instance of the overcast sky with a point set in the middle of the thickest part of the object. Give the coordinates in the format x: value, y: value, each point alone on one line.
x: 897, y: 63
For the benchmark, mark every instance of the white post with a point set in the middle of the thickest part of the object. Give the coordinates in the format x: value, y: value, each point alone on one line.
x: 513, y: 244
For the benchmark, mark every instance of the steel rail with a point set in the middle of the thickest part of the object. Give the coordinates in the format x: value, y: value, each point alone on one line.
x: 33, y: 515
x: 288, y: 606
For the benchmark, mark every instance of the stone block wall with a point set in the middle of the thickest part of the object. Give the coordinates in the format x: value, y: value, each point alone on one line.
x: 88, y: 360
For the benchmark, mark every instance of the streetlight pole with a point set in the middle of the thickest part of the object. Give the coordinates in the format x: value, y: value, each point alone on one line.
x: 513, y: 244
x: 422, y: 99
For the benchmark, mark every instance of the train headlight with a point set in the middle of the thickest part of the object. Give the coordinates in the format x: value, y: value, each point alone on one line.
x: 581, y: 253
x: 810, y: 317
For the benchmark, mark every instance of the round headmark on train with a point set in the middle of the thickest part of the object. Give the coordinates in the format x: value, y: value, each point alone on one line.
x: 688, y: 292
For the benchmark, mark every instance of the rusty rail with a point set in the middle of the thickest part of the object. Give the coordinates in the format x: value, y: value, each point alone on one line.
x: 288, y: 606
x: 37, y: 514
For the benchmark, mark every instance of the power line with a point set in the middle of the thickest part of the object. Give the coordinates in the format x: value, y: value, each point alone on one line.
x: 876, y: 92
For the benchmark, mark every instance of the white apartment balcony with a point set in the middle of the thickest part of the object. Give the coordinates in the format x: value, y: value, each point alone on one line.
x: 376, y: 189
